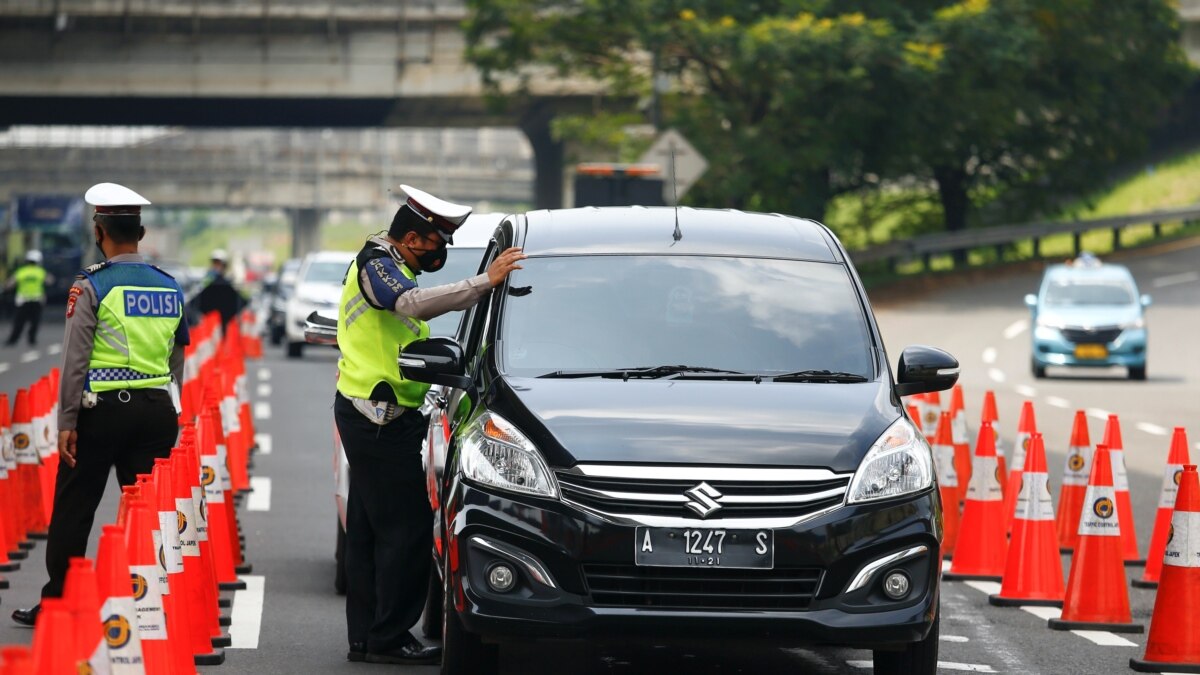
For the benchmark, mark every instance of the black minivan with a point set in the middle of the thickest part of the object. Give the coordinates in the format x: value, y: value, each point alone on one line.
x: 679, y: 422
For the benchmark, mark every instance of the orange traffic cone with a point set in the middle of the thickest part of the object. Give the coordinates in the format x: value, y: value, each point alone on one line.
x: 175, y: 595
x: 947, y: 478
x: 83, y: 600
x: 1075, y: 477
x: 203, y: 588
x: 118, y: 611
x: 147, y: 575
x: 1174, y: 640
x: 1033, y: 572
x: 219, y: 535
x: 29, y: 481
x: 16, y: 660
x: 914, y: 416
x: 8, y: 535
x: 1129, y: 545
x: 42, y: 407
x: 54, y: 639
x: 961, y: 438
x: 1097, y: 598
x: 990, y: 414
x: 932, y: 413
x: 1176, y: 460
x: 10, y: 511
x: 979, y: 553
x: 1026, y: 427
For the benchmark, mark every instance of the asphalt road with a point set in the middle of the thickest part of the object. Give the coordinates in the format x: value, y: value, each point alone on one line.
x: 297, y: 623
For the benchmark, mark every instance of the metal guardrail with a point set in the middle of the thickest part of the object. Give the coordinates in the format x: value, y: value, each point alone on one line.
x: 929, y: 245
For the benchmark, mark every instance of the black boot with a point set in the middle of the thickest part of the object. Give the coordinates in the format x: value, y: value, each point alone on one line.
x: 27, y: 617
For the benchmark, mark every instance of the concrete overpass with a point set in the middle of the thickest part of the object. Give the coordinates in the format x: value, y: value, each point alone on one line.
x: 271, y: 63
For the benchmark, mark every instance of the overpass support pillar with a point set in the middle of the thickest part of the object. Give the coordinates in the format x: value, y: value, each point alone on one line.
x: 306, y: 231
x: 547, y: 157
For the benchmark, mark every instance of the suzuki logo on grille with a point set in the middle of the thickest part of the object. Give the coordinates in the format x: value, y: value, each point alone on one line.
x: 704, y: 500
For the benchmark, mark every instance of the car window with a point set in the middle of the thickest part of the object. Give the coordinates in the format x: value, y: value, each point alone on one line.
x: 461, y: 263
x: 749, y: 315
x: 1075, y: 293
x: 326, y: 272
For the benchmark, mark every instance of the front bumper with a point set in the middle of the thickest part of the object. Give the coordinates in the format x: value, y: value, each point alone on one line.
x: 1050, y: 348
x: 549, y: 543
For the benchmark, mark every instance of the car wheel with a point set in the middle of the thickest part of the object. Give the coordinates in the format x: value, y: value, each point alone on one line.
x: 463, y: 652
x: 1038, y: 371
x: 295, y: 350
x: 1137, y: 372
x: 339, y: 555
x: 431, y: 618
x: 918, y: 658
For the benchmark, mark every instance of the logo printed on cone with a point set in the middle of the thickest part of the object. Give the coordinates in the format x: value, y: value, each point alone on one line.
x: 139, y: 586
x: 1170, y: 486
x: 116, y: 631
x: 1183, y: 543
x: 1076, y: 462
x: 1103, y: 508
x: 1101, y: 516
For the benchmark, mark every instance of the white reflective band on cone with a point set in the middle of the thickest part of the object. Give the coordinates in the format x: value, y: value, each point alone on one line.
x: 1170, y: 486
x: 185, y: 515
x: 223, y: 467
x: 23, y: 445
x: 210, y: 478
x: 97, y: 663
x: 1183, y: 541
x: 1120, y: 477
x: 200, y: 505
x: 958, y: 428
x: 160, y: 554
x: 1099, y: 516
x: 172, y: 550
x: 1078, y: 466
x: 985, y: 484
x: 121, y: 636
x: 943, y: 459
x: 1033, y: 501
x: 148, y: 598
x: 1020, y: 447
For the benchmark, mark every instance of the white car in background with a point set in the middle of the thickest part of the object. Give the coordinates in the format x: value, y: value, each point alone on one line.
x: 318, y: 289
x: 463, y: 261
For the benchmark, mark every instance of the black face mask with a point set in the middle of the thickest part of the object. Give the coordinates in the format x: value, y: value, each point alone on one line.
x: 431, y: 261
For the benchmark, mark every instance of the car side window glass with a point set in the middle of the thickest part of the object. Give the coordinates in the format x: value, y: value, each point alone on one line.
x: 471, y: 329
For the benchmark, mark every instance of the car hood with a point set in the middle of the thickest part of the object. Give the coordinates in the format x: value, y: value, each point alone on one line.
x: 698, y: 421
x: 322, y: 293
x: 1090, y: 317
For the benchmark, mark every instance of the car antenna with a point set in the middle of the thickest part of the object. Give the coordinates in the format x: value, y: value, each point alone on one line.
x: 677, y: 234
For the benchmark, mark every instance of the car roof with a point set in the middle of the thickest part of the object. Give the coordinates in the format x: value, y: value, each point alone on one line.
x: 649, y: 230
x: 329, y: 256
x: 1101, y: 272
x: 477, y: 230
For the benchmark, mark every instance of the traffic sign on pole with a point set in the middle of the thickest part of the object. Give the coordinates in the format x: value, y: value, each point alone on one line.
x: 688, y: 164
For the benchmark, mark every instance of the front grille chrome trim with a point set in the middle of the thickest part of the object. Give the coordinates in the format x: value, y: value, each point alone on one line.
x: 713, y: 523
x: 727, y: 499
x: 706, y: 473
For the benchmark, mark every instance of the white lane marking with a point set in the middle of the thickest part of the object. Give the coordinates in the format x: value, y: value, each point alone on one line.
x: 996, y: 374
x: 1097, y: 413
x: 942, y: 665
x: 31, y: 356
x: 264, y: 374
x: 1175, y: 279
x: 3, y: 367
x: 246, y: 616
x: 1016, y: 329
x: 1104, y: 638
x: 1044, y: 613
x: 1026, y: 391
x: 1058, y: 402
x: 954, y: 638
x: 264, y: 390
x: 264, y: 443
x: 989, y: 355
x: 988, y: 587
x: 260, y: 494
x: 54, y: 349
x: 1152, y: 429
x: 262, y: 410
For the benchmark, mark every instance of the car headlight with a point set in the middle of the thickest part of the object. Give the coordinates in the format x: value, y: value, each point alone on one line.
x: 495, y: 453
x: 1139, y: 322
x: 898, y: 463
x: 1050, y: 323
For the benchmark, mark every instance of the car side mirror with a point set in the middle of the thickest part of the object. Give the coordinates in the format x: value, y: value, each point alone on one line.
x: 925, y: 369
x: 1146, y: 301
x: 1030, y: 300
x: 320, y: 330
x: 436, y: 360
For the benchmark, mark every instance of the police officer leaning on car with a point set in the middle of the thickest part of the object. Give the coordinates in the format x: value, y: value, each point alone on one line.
x: 388, y: 520
x: 123, y: 347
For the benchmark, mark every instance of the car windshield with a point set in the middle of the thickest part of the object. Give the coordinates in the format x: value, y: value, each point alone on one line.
x: 750, y: 315
x: 326, y: 272
x: 1073, y: 293
x: 460, y: 264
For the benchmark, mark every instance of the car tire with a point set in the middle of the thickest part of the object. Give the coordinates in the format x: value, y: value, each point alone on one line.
x: 1137, y: 372
x: 1038, y: 371
x: 339, y: 556
x: 431, y: 618
x: 918, y: 658
x: 295, y: 350
x: 463, y: 653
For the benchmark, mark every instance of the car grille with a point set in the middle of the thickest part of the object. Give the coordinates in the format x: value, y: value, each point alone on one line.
x: 745, y: 493
x: 1101, y: 336
x: 701, y: 588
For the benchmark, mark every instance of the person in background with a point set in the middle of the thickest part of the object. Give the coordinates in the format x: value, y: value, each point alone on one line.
x: 217, y: 292
x: 30, y: 280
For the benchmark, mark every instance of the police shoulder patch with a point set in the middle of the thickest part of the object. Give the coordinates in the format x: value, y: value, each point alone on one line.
x: 72, y: 296
x: 92, y: 269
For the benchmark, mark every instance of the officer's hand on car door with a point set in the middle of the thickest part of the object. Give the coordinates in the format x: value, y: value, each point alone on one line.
x: 503, y: 264
x: 66, y: 446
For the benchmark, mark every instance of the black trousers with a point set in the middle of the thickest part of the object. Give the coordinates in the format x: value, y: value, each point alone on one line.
x: 31, y: 313
x: 128, y: 435
x: 389, y: 526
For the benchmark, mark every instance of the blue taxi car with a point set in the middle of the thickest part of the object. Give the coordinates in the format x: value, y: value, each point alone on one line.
x: 1088, y: 314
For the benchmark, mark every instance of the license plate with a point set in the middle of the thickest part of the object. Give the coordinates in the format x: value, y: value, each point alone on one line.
x: 701, y: 547
x: 1091, y: 352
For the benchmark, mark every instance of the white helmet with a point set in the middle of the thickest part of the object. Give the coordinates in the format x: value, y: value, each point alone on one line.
x: 219, y: 254
x: 34, y: 256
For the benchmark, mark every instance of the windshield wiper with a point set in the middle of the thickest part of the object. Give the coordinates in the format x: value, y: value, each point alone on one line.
x: 647, y: 372
x: 819, y: 376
